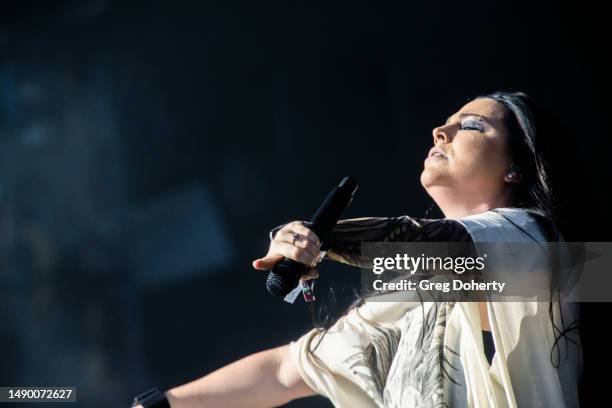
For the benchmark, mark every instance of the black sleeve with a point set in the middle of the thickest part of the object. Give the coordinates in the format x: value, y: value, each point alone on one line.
x: 344, y: 242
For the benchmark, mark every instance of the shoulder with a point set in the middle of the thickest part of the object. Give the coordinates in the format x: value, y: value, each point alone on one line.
x: 437, y: 229
x: 509, y: 224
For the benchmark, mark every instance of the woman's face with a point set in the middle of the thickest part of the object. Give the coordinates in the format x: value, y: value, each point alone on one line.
x: 470, y: 155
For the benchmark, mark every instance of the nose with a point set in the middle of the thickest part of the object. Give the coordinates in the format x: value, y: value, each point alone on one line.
x: 440, y: 134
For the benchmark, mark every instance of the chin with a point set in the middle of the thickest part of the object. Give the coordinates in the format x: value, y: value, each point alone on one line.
x: 429, y: 178
x: 432, y: 180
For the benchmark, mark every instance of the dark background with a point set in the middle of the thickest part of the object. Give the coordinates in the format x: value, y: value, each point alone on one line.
x: 146, y: 149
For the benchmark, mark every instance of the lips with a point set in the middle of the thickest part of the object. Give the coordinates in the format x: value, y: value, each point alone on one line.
x: 436, y: 152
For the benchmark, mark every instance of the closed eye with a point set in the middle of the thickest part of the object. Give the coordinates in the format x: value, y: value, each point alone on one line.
x: 472, y: 125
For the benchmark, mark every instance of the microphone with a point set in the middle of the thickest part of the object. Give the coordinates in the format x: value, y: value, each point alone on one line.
x: 286, y: 274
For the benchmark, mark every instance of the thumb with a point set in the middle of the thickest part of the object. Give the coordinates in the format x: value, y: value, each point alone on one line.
x: 267, y: 262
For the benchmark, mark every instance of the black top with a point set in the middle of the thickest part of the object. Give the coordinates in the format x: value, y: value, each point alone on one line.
x: 489, y: 347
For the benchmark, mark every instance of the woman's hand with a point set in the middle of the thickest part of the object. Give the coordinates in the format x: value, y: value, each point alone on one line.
x: 305, y: 248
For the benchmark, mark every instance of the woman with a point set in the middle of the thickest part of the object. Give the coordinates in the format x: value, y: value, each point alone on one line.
x: 487, y: 176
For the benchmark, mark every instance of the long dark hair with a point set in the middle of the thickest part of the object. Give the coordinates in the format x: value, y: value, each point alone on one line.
x: 530, y: 129
x: 524, y: 121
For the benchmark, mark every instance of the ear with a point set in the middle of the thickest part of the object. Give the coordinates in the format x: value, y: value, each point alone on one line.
x: 513, y: 175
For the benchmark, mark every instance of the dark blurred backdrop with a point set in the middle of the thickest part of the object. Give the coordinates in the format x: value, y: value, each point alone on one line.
x: 146, y: 149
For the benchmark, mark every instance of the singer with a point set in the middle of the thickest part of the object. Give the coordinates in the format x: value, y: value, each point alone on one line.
x: 487, y: 173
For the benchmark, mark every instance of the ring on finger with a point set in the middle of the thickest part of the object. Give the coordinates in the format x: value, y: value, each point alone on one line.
x: 295, y: 237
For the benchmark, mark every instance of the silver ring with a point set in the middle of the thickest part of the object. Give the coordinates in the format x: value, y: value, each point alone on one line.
x: 295, y: 236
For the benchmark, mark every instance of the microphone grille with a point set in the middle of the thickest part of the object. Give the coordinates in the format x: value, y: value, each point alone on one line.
x: 280, y: 286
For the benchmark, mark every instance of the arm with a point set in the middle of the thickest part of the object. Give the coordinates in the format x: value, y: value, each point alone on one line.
x: 265, y: 379
x: 344, y: 243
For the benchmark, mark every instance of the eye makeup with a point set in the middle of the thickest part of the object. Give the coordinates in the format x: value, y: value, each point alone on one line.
x: 465, y: 115
x: 473, y: 124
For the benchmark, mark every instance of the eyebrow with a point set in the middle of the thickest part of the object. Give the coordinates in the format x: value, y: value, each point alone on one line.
x: 461, y: 115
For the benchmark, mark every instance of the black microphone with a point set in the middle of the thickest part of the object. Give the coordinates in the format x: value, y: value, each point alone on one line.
x: 286, y: 274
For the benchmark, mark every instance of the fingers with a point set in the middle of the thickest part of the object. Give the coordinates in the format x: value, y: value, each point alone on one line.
x: 306, y: 240
x: 304, y: 249
x: 267, y: 262
x: 294, y: 252
x: 310, y: 274
x: 280, y: 250
x: 304, y: 231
